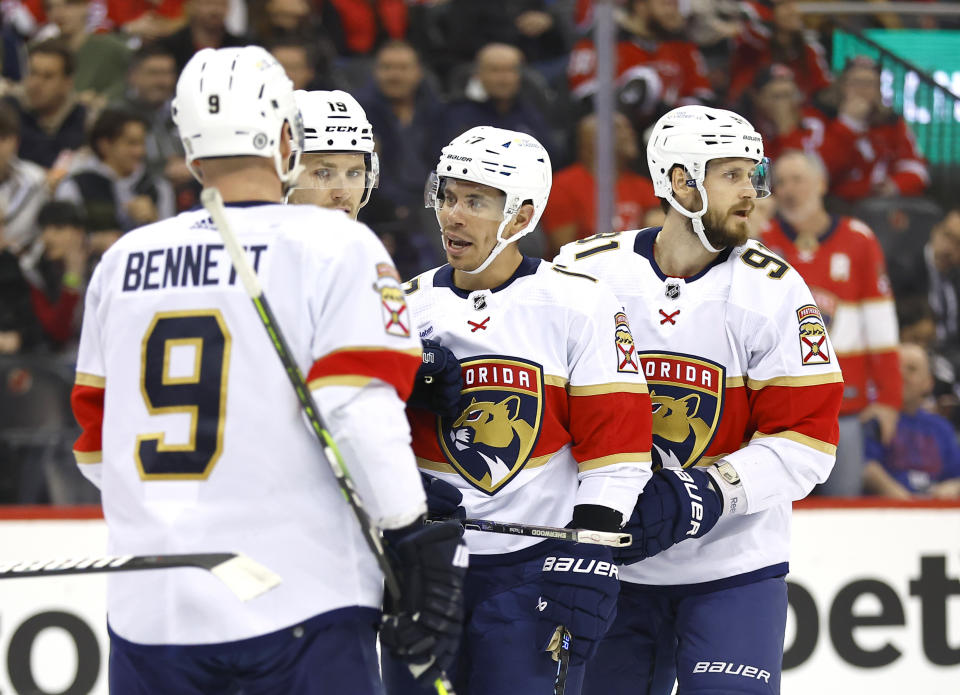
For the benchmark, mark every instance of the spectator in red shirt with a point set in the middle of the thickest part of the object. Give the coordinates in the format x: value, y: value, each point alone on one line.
x: 655, y: 66
x: 842, y: 263
x: 148, y: 19
x: 781, y: 116
x: 369, y: 23
x: 570, y: 213
x: 868, y: 149
x: 784, y: 42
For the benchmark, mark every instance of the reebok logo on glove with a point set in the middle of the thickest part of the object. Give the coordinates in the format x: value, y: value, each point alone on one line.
x: 580, y: 565
x: 696, y: 501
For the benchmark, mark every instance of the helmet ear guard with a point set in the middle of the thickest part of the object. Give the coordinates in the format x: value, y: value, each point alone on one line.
x: 512, y: 162
x: 234, y: 102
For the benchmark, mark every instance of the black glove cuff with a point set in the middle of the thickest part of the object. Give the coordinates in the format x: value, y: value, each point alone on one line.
x: 596, y: 517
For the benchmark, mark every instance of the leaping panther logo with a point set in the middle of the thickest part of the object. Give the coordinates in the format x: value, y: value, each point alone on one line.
x: 492, y: 438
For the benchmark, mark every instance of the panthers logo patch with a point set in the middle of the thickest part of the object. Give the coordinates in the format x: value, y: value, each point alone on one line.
x: 687, y: 398
x: 813, y: 336
x: 501, y: 411
x: 393, y: 301
x: 623, y: 339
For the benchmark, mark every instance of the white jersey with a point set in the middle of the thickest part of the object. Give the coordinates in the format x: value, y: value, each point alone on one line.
x: 196, y: 438
x: 548, y: 409
x: 739, y: 367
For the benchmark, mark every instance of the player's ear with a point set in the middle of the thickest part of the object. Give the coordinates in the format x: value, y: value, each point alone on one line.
x: 678, y: 181
x: 286, y: 138
x: 520, y: 220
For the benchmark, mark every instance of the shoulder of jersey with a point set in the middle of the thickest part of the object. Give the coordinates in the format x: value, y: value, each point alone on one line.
x: 421, y: 283
x: 599, y: 251
x: 760, y: 278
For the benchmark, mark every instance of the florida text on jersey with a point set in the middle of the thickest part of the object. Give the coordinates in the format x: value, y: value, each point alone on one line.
x: 739, y: 366
x: 551, y: 393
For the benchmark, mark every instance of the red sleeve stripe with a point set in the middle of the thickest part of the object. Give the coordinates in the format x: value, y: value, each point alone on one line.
x: 395, y: 367
x: 443, y: 467
x: 610, y: 425
x: 87, y: 403
x: 822, y: 447
x: 810, y: 412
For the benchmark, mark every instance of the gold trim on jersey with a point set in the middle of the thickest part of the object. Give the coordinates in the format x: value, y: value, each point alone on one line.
x: 197, y: 344
x: 734, y: 382
x: 88, y: 456
x: 86, y: 379
x: 614, y: 459
x: 812, y: 380
x: 339, y: 380
x: 191, y: 410
x: 805, y: 440
x: 611, y: 387
x: 551, y: 380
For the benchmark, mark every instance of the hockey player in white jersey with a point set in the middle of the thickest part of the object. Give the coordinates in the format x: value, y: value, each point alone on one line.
x: 745, y: 390
x: 550, y: 427
x: 197, y: 442
x: 340, y: 168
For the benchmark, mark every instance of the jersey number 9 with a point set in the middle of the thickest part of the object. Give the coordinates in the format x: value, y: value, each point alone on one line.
x: 199, y: 341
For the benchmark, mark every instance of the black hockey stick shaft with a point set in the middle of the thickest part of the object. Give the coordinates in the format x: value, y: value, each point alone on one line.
x: 213, y: 202
x: 563, y: 662
x: 572, y: 535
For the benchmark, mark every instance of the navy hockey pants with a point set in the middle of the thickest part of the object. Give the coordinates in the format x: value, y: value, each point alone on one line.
x: 725, y: 642
x: 498, y: 654
x: 331, y: 654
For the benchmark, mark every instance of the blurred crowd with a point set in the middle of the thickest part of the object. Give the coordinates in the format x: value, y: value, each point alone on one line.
x: 88, y: 151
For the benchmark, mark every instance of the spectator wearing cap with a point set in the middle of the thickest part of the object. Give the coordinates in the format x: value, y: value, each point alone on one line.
x: 923, y: 458
x: 571, y: 211
x: 868, y: 149
x: 113, y: 187
x: 780, y: 114
x: 783, y: 41
x: 23, y: 186
x: 51, y: 119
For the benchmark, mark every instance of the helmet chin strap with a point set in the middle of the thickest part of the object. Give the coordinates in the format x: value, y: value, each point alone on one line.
x: 495, y: 251
x: 696, y: 220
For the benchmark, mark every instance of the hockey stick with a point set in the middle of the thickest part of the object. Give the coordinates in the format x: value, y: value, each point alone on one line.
x: 213, y: 203
x: 562, y: 655
x: 241, y: 575
x: 573, y: 535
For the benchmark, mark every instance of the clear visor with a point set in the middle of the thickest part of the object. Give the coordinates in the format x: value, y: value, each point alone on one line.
x: 762, y: 175
x: 474, y: 200
x: 337, y: 171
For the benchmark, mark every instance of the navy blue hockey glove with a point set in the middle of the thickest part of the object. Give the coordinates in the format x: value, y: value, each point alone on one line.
x: 676, y: 504
x: 443, y: 499
x: 438, y: 383
x: 423, y: 630
x: 579, y: 587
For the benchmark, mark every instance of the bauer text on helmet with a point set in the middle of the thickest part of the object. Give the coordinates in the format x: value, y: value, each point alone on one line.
x: 690, y: 137
x: 233, y: 102
x: 513, y: 163
x: 340, y: 167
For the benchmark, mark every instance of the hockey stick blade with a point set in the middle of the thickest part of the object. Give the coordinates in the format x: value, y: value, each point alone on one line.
x: 245, y: 578
x: 572, y: 535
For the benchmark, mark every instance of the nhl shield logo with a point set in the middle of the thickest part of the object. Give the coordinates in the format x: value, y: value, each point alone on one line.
x: 672, y: 290
x: 686, y: 394
x: 501, y: 411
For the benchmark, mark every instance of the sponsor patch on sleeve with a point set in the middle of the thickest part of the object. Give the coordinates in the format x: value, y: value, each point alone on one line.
x: 813, y: 336
x: 393, y: 302
x: 623, y: 338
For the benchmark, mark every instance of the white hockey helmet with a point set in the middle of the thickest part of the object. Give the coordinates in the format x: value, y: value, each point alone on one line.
x: 690, y: 136
x: 510, y: 161
x: 233, y: 102
x: 333, y: 121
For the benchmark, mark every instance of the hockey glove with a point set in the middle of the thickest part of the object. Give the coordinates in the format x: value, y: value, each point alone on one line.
x: 579, y: 587
x: 443, y: 499
x: 438, y: 382
x: 676, y: 504
x: 424, y: 628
